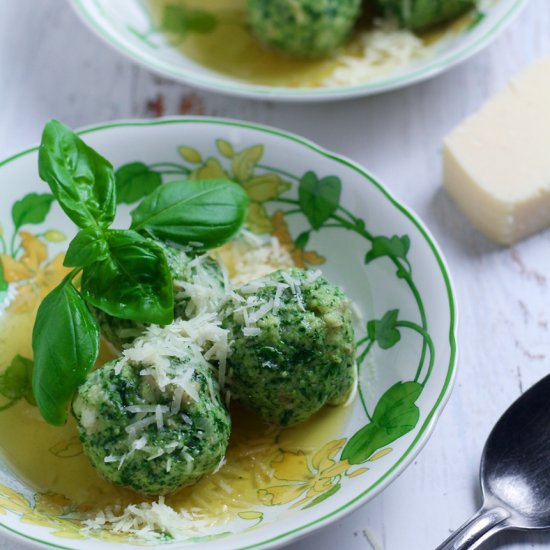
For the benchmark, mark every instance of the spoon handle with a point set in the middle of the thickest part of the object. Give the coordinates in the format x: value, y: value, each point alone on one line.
x: 478, y: 529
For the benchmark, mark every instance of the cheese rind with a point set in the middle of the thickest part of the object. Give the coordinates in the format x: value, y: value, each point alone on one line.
x: 497, y: 163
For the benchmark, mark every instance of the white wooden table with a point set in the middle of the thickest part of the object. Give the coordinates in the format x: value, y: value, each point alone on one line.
x: 51, y: 66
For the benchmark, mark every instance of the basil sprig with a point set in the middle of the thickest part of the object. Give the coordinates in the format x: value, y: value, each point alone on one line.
x: 124, y: 273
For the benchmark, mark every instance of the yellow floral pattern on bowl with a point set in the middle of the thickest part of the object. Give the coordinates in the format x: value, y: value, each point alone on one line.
x: 296, y: 477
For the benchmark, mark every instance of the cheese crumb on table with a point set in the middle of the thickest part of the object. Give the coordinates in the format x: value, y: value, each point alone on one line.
x: 497, y: 163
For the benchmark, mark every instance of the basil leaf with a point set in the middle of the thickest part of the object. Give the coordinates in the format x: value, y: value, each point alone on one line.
x: 135, y: 181
x: 32, y: 208
x: 319, y: 198
x: 65, y: 342
x: 182, y: 20
x: 82, y: 181
x: 209, y: 212
x: 132, y: 282
x: 88, y: 246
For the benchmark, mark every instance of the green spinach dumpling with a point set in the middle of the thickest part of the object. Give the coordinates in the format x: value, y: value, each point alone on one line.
x: 293, y: 346
x: 419, y: 15
x: 153, y: 420
x: 306, y: 28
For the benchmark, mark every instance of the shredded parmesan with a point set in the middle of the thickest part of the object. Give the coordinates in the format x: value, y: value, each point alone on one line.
x: 148, y: 521
x: 251, y: 331
x: 157, y: 352
x: 249, y: 257
x: 382, y: 50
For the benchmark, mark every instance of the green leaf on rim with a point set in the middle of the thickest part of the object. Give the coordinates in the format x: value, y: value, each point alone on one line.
x: 302, y: 240
x: 31, y: 209
x: 16, y: 380
x: 319, y: 199
x: 395, y: 415
x: 135, y: 181
x: 384, y: 332
x: 395, y: 247
x: 333, y: 490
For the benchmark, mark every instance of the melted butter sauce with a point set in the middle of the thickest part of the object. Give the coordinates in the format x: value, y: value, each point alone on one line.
x: 51, y: 460
x: 231, y: 49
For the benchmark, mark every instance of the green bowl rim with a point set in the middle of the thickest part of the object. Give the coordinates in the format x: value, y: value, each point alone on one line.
x: 429, y: 424
x: 243, y: 89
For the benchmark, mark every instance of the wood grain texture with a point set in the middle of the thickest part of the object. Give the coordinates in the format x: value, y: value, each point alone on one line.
x: 52, y: 66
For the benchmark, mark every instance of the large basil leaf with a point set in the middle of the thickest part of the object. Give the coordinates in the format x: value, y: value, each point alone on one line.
x: 209, y: 212
x: 132, y: 282
x: 65, y: 343
x: 319, y: 199
x: 395, y: 415
x: 82, y: 181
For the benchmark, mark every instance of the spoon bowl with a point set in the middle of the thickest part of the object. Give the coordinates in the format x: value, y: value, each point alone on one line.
x: 515, y: 473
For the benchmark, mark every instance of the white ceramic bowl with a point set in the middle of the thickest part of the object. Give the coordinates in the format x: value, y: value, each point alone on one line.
x: 127, y: 25
x: 370, y: 244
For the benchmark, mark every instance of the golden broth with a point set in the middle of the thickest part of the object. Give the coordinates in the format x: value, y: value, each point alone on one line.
x: 51, y: 460
x: 232, y: 50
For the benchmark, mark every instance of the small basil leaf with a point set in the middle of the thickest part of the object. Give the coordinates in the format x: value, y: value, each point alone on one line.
x: 182, y: 20
x: 319, y: 198
x: 82, y: 181
x: 32, y: 208
x: 132, y: 282
x: 65, y: 342
x: 88, y: 246
x: 209, y: 212
x: 135, y: 181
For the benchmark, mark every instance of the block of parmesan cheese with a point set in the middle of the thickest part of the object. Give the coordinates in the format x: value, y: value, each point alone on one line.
x: 497, y: 163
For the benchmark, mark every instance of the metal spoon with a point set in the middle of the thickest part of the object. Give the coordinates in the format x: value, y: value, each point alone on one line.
x: 515, y: 473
